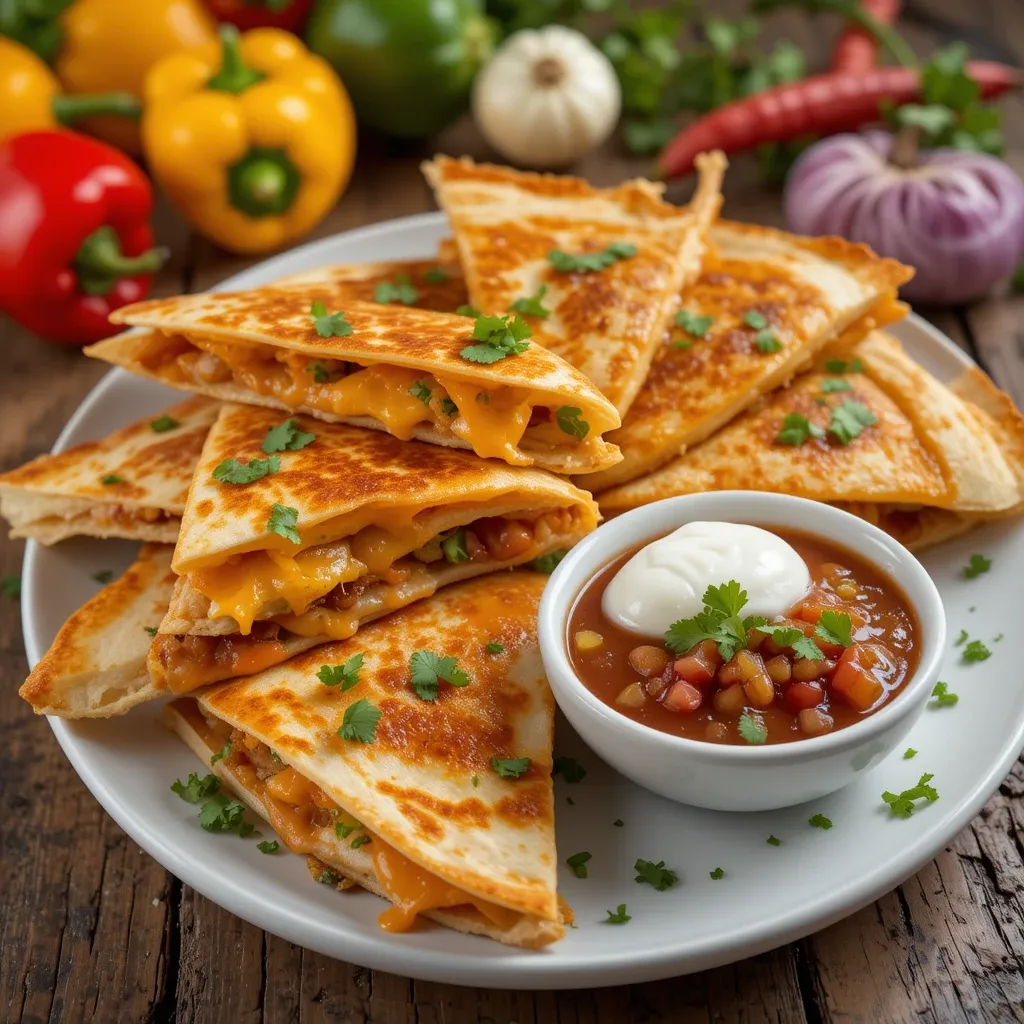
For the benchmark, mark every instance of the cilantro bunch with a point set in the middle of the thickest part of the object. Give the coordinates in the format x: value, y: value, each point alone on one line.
x: 497, y: 337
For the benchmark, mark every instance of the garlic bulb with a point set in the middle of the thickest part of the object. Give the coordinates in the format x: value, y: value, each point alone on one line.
x: 546, y: 97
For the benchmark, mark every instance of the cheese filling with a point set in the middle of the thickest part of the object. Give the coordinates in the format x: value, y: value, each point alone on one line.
x: 300, y: 812
x: 496, y: 422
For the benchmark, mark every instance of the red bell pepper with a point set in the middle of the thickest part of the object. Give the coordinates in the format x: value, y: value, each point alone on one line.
x: 290, y: 15
x: 75, y: 241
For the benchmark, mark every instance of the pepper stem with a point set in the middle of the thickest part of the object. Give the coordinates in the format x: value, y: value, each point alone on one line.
x: 67, y: 109
x: 234, y: 74
x: 263, y: 183
x: 100, y: 263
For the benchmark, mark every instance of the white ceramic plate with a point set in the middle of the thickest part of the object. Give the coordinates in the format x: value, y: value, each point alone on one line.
x: 769, y: 895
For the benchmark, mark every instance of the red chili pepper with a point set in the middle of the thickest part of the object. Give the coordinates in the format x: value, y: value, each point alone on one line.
x: 290, y: 15
x: 821, y: 105
x: 75, y: 242
x: 857, y: 50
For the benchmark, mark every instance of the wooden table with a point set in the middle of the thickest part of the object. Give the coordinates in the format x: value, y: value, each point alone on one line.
x: 94, y: 929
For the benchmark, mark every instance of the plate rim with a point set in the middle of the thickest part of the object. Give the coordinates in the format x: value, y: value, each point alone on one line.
x: 511, y: 970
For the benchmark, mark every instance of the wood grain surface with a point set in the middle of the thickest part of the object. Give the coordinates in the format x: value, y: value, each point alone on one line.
x: 93, y: 929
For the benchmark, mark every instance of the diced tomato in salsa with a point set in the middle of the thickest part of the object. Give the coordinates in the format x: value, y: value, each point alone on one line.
x: 855, y: 679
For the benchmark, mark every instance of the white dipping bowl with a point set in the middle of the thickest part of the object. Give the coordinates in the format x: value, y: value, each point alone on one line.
x: 729, y: 777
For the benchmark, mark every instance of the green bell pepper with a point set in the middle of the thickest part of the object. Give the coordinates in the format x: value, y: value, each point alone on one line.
x: 407, y: 64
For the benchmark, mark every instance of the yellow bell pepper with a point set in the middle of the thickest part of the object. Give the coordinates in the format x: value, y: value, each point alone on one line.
x: 31, y: 100
x: 254, y: 142
x: 110, y: 45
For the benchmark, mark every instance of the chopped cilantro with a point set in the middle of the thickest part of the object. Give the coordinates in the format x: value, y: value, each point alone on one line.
x: 751, y: 727
x: 493, y: 647
x: 104, y: 576
x: 820, y: 821
x: 221, y: 754
x: 694, y: 324
x: 498, y: 337
x: 222, y: 814
x: 427, y: 669
x: 976, y: 565
x: 511, y: 768
x: 578, y: 863
x: 681, y: 344
x: 943, y: 698
x: 286, y: 437
x: 163, y: 423
x: 754, y: 318
x: 767, y: 342
x: 283, y: 521
x: 421, y: 391
x: 835, y: 628
x: 773, y: 841
x: 719, y: 621
x: 569, y: 768
x: 151, y: 630
x: 328, y: 877
x: 448, y: 407
x: 833, y: 384
x: 717, y: 873
x: 902, y: 804
x: 569, y: 419
x: 532, y: 305
x: 909, y: 753
x: 400, y: 291
x: 467, y: 310
x: 590, y: 262
x: 619, y: 916
x: 346, y: 676
x: 849, y: 419
x: 329, y: 325
x: 656, y: 875
x: 475, y: 780
x: 807, y: 647
x: 10, y: 586
x: 231, y: 471
x: 797, y: 429
x: 321, y: 375
x: 453, y: 547
x: 546, y: 563
x: 343, y: 831
x: 842, y: 366
x: 976, y: 651
x: 196, y: 788
x: 618, y: 823
x: 997, y: 638
x: 112, y: 478
x: 268, y: 846
x: 360, y: 722
x: 360, y: 840
x: 790, y: 636
x: 961, y: 638
x: 435, y: 275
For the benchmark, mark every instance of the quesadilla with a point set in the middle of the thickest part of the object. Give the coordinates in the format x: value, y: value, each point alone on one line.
x: 299, y: 532
x: 890, y: 443
x: 132, y: 484
x: 765, y: 303
x: 96, y: 666
x: 452, y: 380
x: 597, y: 272
x: 424, y: 777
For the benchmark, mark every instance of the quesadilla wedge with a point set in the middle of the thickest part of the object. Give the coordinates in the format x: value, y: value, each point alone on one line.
x: 891, y: 444
x: 446, y: 379
x: 96, y: 666
x: 605, y: 266
x: 132, y: 484
x: 766, y: 302
x: 424, y: 777
x: 338, y: 526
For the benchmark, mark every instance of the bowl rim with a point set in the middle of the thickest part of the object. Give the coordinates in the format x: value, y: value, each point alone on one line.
x: 755, y: 508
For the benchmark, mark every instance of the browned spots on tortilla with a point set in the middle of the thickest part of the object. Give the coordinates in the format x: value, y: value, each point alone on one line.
x: 532, y: 803
x: 471, y: 811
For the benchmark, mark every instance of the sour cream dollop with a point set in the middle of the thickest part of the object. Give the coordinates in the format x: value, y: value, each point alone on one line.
x: 666, y: 580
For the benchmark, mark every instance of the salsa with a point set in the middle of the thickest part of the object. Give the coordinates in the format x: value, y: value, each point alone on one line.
x: 840, y: 653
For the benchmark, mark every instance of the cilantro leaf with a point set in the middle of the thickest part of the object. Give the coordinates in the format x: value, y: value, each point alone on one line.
x: 329, y: 325
x: 196, y: 788
x: 322, y: 375
x: 231, y: 471
x: 976, y: 651
x: 976, y: 565
x: 467, y: 310
x: 493, y: 647
x: 346, y: 675
x: 570, y: 421
x: 151, y: 630
x: 163, y: 423
x: 656, y: 875
x: 717, y: 873
x: 902, y: 804
x: 820, y: 821
x: 619, y: 916
x: 833, y: 384
x: 283, y: 521
x: 767, y: 342
x: 590, y: 262
x: 569, y: 768
x: 360, y: 722
x: 499, y: 336
x: 849, y: 419
x: 684, y: 634
x: 10, y: 586
x: 694, y: 324
x: 909, y: 753
x: 511, y: 768
x: 435, y: 275
x: 531, y: 305
x: 343, y: 831
x: 360, y: 840
x: 421, y: 391
x: 943, y: 698
x: 547, y: 562
x: 222, y: 814
x: 328, y: 877
x: 427, y: 669
x: 680, y: 344
x: 104, y: 576
x: 286, y: 437
x: 448, y: 407
x: 112, y: 478
x: 728, y: 598
x: 806, y: 647
x: 751, y: 727
x: 401, y: 291
x: 773, y: 841
x: 961, y: 639
x: 268, y: 846
x: 756, y: 319
x: 476, y: 781
x: 578, y: 863
x: 835, y: 628
x: 797, y: 429
x: 453, y: 547
x: 221, y: 754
